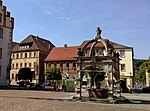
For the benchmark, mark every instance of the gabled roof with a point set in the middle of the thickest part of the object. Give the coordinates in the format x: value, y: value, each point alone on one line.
x: 63, y: 53
x: 119, y: 46
x: 14, y: 44
x: 115, y: 45
x: 35, y: 43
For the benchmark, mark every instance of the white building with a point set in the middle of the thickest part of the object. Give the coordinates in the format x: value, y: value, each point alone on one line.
x: 6, y: 33
x: 126, y: 64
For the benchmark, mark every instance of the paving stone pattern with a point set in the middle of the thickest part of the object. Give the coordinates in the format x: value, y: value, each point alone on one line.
x: 28, y: 100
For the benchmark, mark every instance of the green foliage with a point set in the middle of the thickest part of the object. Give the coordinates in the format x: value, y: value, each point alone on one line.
x: 138, y: 63
x: 140, y: 74
x: 140, y: 71
x: 98, y: 78
x: 25, y: 74
x: 53, y: 73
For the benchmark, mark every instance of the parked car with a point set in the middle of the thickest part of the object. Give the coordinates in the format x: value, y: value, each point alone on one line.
x: 137, y: 90
x: 36, y: 86
x: 23, y: 83
x: 146, y: 89
x: 48, y: 86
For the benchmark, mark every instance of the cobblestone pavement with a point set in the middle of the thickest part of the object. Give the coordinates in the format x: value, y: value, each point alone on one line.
x: 28, y: 100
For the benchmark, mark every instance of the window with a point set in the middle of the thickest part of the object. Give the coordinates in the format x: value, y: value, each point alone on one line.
x: 123, y: 67
x: 61, y: 64
x: 16, y: 77
x: 20, y: 55
x: 74, y: 64
x: 25, y: 64
x: 17, y: 66
x: 49, y: 65
x: 55, y: 64
x: 30, y: 65
x: 0, y: 53
x: 12, y: 66
x: 34, y: 54
x: 25, y: 55
x: 17, y: 56
x: 20, y: 65
x: 12, y: 76
x: 13, y: 56
x: 122, y: 53
x: 30, y: 54
x: 67, y: 65
x: 1, y: 32
x: 24, y: 47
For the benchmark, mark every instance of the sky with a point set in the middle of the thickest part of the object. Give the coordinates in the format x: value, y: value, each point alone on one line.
x: 70, y: 22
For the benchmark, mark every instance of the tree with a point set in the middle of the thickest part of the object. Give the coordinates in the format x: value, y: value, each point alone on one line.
x: 53, y: 73
x: 141, y: 72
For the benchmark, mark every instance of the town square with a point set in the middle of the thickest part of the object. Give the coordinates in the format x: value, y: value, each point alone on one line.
x: 28, y: 100
x: 74, y: 55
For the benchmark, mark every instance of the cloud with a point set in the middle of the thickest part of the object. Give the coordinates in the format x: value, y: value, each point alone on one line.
x: 63, y: 18
x: 48, y: 7
x: 69, y: 19
x: 23, y: 7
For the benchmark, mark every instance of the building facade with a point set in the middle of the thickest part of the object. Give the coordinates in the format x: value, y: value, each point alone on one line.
x: 62, y: 60
x: 30, y: 53
x: 6, y: 34
x: 127, y: 74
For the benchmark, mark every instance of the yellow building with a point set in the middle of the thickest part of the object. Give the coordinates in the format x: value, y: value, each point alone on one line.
x: 30, y: 53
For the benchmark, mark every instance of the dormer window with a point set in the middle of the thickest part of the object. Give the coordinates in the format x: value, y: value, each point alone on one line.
x: 25, y: 45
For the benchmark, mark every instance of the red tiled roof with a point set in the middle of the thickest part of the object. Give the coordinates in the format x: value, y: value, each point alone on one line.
x: 86, y: 41
x: 37, y: 43
x: 62, y: 53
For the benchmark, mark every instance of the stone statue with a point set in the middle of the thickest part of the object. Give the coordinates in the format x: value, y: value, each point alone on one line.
x: 98, y: 31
